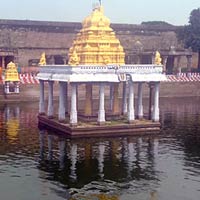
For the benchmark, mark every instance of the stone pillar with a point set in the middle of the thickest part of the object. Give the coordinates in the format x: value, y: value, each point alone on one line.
x: 138, y: 59
x: 101, y: 113
x: 124, y: 99
x: 16, y: 89
x: 73, y: 113
x: 155, y: 116
x: 139, y: 102
x: 150, y: 100
x: 61, y: 108
x: 7, y: 87
x: 88, y: 99
x: 153, y: 58
x: 189, y: 63
x: 178, y: 64
x: 50, y: 100
x: 41, y: 102
x: 131, y: 111
x: 116, y: 107
x: 111, y: 96
x: 164, y: 63
x: 66, y: 97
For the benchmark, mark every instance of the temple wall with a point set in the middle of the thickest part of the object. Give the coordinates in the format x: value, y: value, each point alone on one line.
x: 31, y: 38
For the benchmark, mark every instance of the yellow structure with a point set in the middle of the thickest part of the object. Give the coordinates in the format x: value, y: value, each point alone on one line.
x: 12, y: 129
x: 74, y: 59
x: 96, y: 42
x: 11, y: 73
x: 158, y: 59
x: 42, y: 59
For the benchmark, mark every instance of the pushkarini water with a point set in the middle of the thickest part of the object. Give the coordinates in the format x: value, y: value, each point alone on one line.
x: 41, y: 164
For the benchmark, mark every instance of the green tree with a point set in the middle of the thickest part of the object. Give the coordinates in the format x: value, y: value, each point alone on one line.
x: 190, y: 34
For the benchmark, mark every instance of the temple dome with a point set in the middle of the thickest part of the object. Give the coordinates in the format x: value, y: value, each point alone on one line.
x: 96, y: 43
x: 96, y: 19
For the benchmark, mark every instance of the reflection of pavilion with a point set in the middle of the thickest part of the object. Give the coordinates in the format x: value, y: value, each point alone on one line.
x: 96, y: 59
x: 129, y: 157
x: 11, y: 118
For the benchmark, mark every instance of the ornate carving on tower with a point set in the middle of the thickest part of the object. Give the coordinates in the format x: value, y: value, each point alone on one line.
x: 96, y: 42
x: 74, y: 59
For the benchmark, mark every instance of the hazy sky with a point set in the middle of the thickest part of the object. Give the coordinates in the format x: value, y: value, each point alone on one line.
x: 119, y: 11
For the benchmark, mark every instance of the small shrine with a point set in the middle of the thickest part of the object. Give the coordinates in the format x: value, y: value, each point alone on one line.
x: 96, y: 60
x: 11, y: 79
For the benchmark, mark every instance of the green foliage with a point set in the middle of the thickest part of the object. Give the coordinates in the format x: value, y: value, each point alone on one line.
x: 190, y: 34
x: 156, y: 23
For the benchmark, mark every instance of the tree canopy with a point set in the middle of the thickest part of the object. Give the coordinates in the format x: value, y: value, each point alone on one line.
x: 190, y: 34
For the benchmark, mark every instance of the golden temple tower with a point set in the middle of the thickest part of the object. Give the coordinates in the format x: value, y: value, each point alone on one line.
x: 96, y: 43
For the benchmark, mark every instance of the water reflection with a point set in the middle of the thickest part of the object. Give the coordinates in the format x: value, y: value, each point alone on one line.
x: 164, y: 166
x: 80, y: 162
x: 11, y: 120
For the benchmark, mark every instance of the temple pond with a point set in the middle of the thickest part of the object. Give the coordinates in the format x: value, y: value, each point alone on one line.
x: 36, y: 164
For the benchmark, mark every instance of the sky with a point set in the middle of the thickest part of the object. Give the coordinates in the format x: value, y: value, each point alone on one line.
x: 175, y: 12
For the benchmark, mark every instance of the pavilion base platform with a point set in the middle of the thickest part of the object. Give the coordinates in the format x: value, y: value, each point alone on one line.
x: 92, y: 129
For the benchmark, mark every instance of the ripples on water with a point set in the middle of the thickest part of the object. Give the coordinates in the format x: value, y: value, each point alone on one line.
x: 36, y: 164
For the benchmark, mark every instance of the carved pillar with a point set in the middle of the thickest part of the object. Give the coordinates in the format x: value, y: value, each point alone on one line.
x: 16, y: 85
x: 66, y: 97
x: 41, y: 102
x: 189, y: 63
x: 7, y: 87
x: 155, y: 116
x: 116, y: 109
x: 124, y: 99
x: 139, y: 102
x: 164, y: 63
x: 88, y: 99
x: 50, y: 100
x: 178, y: 59
x: 150, y: 100
x: 61, y: 108
x: 73, y: 113
x: 101, y: 113
x: 111, y: 96
x: 153, y: 58
x: 131, y: 111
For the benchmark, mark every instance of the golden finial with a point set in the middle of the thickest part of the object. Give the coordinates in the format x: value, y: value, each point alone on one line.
x: 42, y: 59
x: 158, y: 59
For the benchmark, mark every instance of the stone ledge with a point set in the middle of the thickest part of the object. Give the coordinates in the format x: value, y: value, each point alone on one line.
x: 95, y: 130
